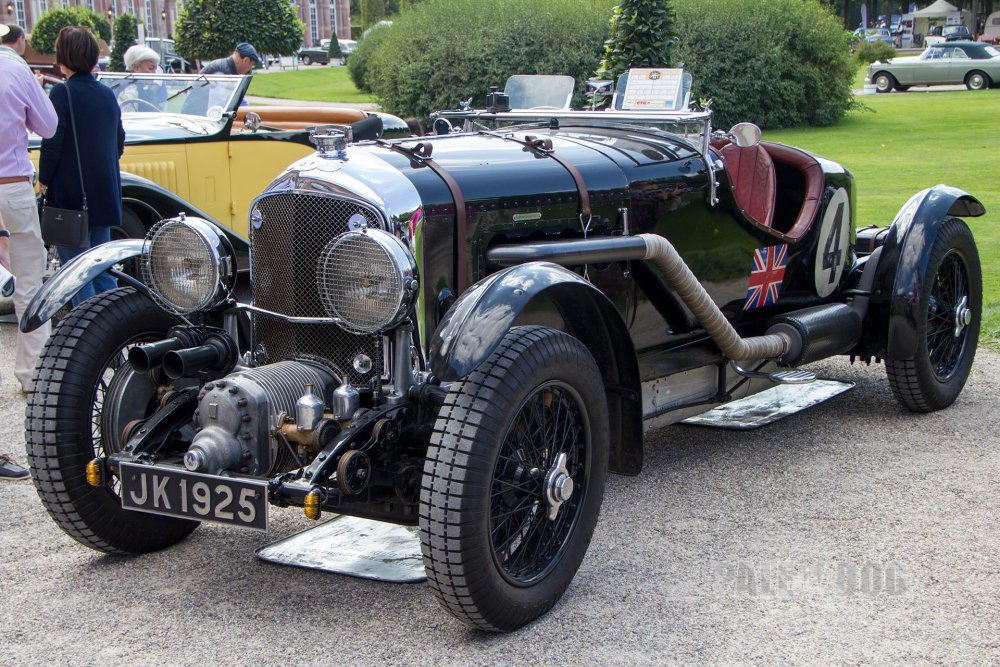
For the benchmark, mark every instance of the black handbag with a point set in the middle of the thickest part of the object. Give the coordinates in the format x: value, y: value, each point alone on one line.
x: 67, y: 227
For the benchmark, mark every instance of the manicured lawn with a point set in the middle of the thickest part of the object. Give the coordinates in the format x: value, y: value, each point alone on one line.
x: 324, y: 84
x: 910, y: 141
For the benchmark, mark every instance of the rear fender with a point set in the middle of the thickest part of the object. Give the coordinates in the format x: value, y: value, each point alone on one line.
x: 899, y: 276
x: 476, y: 323
x: 60, y: 288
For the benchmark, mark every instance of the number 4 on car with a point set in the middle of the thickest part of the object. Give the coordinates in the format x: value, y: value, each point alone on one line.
x: 467, y: 332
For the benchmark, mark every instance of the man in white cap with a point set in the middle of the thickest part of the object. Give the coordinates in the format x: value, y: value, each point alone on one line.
x: 24, y: 107
x: 12, y: 43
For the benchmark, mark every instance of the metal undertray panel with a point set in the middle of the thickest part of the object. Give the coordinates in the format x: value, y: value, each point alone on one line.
x: 769, y: 405
x: 353, y: 546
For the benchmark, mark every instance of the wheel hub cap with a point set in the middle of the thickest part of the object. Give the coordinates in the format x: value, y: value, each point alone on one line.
x: 558, y: 486
x: 963, y: 316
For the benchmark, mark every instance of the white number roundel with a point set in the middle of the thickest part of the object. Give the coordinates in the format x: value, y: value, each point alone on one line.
x: 832, y: 243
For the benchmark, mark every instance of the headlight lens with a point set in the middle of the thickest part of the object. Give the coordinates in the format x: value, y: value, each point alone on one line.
x: 188, y: 265
x: 367, y: 280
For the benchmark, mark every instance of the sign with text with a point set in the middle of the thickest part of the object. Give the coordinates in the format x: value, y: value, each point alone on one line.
x: 653, y: 89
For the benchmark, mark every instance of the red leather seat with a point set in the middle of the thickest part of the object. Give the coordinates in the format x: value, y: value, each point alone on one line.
x: 751, y: 173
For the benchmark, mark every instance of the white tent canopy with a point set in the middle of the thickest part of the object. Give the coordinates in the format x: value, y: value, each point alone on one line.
x: 939, y: 10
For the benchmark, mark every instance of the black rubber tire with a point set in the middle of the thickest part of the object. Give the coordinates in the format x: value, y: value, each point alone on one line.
x: 62, y: 424
x: 977, y: 80
x: 884, y: 82
x: 306, y: 60
x: 474, y: 578
x: 934, y: 377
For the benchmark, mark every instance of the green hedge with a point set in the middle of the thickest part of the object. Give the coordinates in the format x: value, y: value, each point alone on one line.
x: 43, y: 36
x: 438, y: 52
x: 126, y: 35
x: 364, y: 53
x: 777, y: 63
x: 869, y: 52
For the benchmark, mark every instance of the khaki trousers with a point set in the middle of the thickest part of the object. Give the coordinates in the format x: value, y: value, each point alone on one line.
x: 19, y: 214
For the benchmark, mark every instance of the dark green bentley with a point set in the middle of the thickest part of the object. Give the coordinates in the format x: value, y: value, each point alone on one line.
x: 466, y: 332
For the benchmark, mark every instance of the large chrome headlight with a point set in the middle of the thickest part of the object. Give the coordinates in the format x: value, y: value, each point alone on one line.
x: 188, y: 264
x: 367, y: 279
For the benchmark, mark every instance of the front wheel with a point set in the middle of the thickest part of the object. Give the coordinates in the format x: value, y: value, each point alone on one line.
x: 977, y: 81
x: 306, y: 60
x: 884, y: 82
x: 950, y: 303
x: 86, y: 395
x: 514, y: 479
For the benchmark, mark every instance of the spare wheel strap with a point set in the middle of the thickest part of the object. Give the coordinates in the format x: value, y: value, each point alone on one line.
x: 421, y: 154
x: 543, y: 146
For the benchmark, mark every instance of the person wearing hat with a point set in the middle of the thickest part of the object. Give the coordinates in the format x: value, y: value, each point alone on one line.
x: 12, y: 43
x: 240, y: 62
x: 24, y: 107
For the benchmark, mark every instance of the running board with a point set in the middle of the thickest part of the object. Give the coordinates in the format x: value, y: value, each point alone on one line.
x: 777, y: 377
x: 769, y: 405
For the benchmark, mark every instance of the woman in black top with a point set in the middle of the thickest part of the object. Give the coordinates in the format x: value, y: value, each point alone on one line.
x: 101, y: 140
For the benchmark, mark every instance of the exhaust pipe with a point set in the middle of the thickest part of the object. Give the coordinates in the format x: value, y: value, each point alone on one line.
x: 147, y: 357
x: 217, y: 356
x: 679, y: 277
x: 676, y: 274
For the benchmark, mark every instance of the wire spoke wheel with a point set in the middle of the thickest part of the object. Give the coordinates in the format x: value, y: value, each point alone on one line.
x: 513, y: 480
x: 947, y: 324
x: 527, y: 539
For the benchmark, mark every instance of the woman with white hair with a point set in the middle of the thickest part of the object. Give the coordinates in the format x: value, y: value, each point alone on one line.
x: 142, y: 95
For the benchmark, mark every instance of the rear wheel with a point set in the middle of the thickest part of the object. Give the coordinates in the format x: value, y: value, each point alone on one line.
x: 948, y: 330
x: 977, y: 80
x: 86, y: 393
x: 514, y: 480
x: 884, y: 82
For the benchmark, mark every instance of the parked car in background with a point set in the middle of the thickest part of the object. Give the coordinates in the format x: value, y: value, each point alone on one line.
x: 347, y: 47
x: 169, y: 60
x: 879, y: 35
x: 954, y: 33
x: 975, y: 64
x: 316, y: 54
x: 190, y: 146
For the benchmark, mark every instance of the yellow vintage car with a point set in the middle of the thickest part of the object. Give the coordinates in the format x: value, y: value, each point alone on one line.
x: 190, y: 146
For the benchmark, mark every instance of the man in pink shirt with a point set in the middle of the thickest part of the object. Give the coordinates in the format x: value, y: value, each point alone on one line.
x: 24, y: 106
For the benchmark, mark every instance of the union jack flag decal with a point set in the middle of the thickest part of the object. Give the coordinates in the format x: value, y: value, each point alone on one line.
x: 766, y: 274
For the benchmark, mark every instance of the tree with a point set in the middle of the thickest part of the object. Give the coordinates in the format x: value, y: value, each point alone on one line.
x: 209, y: 29
x: 334, y: 51
x: 438, y: 52
x: 776, y: 63
x: 372, y: 11
x: 642, y: 35
x: 126, y: 34
x: 43, y: 36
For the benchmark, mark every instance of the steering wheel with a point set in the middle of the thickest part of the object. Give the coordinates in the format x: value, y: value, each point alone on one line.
x: 140, y: 104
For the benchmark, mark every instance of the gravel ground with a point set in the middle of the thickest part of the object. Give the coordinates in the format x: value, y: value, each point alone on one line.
x: 851, y: 533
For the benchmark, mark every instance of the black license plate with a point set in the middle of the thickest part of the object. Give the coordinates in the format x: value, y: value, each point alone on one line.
x: 193, y: 495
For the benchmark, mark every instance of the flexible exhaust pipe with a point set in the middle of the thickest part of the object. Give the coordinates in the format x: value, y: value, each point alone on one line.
x: 679, y: 277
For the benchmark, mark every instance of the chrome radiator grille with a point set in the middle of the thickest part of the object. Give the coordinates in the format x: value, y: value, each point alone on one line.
x: 286, y: 246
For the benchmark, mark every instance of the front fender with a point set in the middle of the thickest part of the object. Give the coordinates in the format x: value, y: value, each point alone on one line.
x: 902, y: 267
x: 476, y: 323
x: 83, y: 268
